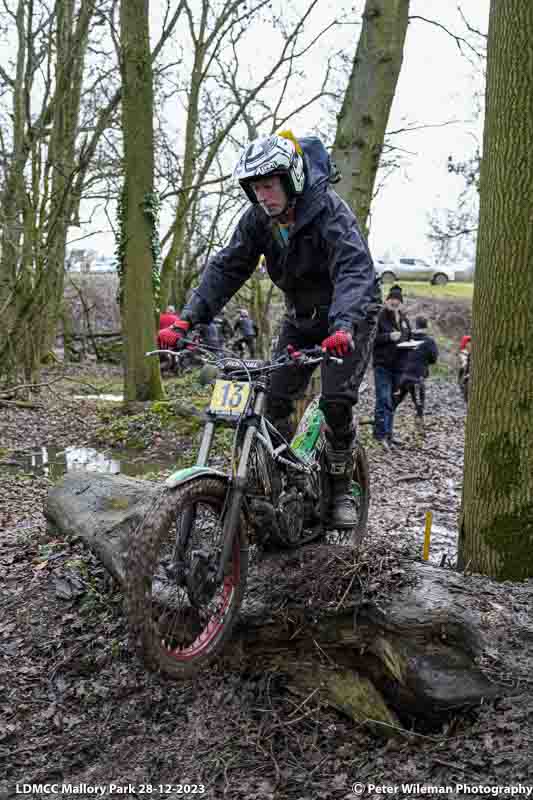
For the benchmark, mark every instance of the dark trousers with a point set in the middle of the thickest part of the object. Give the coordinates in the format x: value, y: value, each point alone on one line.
x: 417, y: 393
x: 340, y: 382
x: 386, y: 381
x: 249, y: 341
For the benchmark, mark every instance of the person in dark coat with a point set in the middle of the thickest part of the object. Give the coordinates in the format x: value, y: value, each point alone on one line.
x: 388, y: 361
x: 315, y: 254
x: 224, y: 329
x: 246, y: 329
x: 416, y: 368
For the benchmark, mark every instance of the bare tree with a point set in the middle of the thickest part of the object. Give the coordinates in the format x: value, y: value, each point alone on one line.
x: 139, y: 242
x: 219, y: 98
x: 63, y: 95
x: 363, y: 118
x: 38, y: 169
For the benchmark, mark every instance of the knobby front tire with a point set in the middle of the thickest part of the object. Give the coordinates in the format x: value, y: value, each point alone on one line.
x: 179, y: 624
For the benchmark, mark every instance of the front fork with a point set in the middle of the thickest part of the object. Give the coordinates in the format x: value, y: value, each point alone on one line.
x: 238, y: 486
x: 187, y: 519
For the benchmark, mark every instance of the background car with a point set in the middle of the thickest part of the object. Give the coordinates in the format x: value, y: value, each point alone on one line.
x: 414, y: 269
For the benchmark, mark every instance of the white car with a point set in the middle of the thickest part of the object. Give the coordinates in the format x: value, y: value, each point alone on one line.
x: 414, y: 269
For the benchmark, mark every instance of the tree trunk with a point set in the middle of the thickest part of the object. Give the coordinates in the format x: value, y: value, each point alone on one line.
x: 496, y: 536
x: 72, y: 38
x: 365, y: 111
x: 142, y: 380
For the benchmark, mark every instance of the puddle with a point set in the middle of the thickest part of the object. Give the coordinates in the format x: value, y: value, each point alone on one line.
x: 113, y: 398
x: 443, y: 542
x: 54, y: 462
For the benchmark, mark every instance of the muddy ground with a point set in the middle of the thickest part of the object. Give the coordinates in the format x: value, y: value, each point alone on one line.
x: 77, y: 706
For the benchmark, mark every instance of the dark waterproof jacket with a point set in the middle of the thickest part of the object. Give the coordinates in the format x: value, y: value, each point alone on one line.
x: 245, y: 327
x: 324, y: 269
x: 386, y: 353
x: 416, y: 366
x: 224, y: 328
x: 209, y: 334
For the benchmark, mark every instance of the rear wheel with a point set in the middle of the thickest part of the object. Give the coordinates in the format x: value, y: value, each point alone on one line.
x: 388, y: 277
x: 361, y: 491
x: 440, y: 279
x: 179, y: 615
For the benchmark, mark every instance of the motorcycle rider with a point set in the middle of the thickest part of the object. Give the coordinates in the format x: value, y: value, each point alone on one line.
x: 315, y: 253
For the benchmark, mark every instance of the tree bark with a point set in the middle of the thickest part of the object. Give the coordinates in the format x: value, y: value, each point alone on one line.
x: 365, y: 110
x: 496, y: 532
x: 142, y: 378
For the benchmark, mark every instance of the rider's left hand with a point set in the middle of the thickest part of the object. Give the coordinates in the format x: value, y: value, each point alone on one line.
x: 339, y: 343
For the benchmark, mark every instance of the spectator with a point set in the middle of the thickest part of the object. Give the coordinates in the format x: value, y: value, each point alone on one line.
x: 209, y: 334
x: 168, y: 318
x: 393, y: 327
x: 463, y: 374
x: 416, y: 369
x: 224, y: 329
x: 246, y: 330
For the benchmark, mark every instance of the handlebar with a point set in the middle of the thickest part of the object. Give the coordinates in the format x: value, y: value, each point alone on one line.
x: 305, y: 357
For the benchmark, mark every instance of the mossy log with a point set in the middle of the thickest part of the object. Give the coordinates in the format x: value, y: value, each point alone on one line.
x: 103, y: 510
x: 414, y: 654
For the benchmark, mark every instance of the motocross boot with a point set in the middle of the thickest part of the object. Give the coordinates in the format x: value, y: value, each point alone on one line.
x: 340, y: 465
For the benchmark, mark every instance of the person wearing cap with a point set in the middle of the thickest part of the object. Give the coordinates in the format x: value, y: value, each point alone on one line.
x: 416, y: 369
x: 315, y: 254
x: 388, y: 360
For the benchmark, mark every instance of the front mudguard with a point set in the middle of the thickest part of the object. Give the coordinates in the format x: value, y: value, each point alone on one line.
x: 182, y: 476
x: 188, y: 474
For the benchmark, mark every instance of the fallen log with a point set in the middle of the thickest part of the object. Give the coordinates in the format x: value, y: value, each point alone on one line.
x: 103, y: 510
x: 412, y: 653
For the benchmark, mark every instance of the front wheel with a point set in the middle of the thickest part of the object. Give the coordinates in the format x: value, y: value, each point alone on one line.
x: 179, y: 615
x: 440, y: 279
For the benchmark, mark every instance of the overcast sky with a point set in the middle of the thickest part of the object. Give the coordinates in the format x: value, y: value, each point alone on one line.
x: 437, y: 85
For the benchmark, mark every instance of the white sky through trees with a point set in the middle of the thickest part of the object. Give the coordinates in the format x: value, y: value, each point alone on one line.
x: 437, y: 85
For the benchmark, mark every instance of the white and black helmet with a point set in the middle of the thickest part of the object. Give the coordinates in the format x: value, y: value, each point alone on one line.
x: 271, y: 155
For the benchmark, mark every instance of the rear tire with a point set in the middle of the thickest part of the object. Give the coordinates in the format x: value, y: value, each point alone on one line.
x: 388, y: 277
x: 361, y: 476
x: 178, y: 629
x: 440, y: 279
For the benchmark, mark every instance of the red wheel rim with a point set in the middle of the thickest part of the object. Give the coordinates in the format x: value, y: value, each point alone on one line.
x: 215, y: 625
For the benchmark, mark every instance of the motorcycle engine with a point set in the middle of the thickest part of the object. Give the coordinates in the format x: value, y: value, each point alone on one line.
x: 290, y: 514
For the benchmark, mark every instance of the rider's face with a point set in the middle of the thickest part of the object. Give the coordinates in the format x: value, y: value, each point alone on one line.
x: 270, y: 194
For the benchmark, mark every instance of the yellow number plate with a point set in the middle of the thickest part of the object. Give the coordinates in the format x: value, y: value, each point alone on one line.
x: 229, y: 398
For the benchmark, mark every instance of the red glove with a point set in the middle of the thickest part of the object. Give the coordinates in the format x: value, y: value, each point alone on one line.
x: 168, y: 337
x: 339, y: 343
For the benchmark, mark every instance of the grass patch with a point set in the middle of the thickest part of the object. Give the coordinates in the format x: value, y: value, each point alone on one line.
x: 425, y: 289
